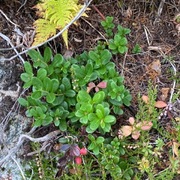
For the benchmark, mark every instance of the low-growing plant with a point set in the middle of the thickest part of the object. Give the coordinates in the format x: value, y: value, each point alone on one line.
x: 112, y: 160
x: 108, y: 26
x: 136, y: 49
x: 84, y: 92
x: 60, y: 93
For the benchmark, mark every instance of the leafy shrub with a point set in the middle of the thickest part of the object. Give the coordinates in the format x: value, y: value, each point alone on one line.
x: 60, y: 90
x: 84, y: 91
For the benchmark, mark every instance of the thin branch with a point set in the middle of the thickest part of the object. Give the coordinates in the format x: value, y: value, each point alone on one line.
x: 174, y: 82
x: 7, y: 18
x: 20, y: 169
x: 26, y: 136
x: 9, y: 41
x: 83, y: 9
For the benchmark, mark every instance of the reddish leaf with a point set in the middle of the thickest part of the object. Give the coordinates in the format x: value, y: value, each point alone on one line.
x: 102, y: 85
x: 126, y: 130
x: 91, y: 85
x: 135, y: 135
x: 96, y: 89
x: 145, y: 98
x: 145, y: 125
x: 74, y: 150
x: 160, y: 104
x: 131, y: 120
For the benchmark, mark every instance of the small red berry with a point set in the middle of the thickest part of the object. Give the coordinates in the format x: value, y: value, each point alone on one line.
x: 83, y: 151
x: 78, y: 160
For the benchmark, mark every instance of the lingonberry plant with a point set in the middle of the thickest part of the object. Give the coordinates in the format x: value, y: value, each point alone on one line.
x: 85, y: 91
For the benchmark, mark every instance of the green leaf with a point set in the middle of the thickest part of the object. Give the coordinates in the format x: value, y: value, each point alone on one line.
x: 117, y: 110
x: 58, y: 100
x: 109, y: 119
x: 33, y: 112
x: 91, y: 137
x: 54, y: 85
x: 28, y: 68
x: 92, y: 145
x: 57, y: 122
x: 36, y: 95
x: 26, y: 77
x: 70, y: 93
x: 99, y: 114
x: 47, y: 120
x: 23, y: 102
x: 47, y: 54
x: 123, y: 41
x: 47, y: 84
x: 50, y: 69
x: 96, y: 150
x: 66, y: 83
x: 37, y: 83
x: 63, y: 125
x: 38, y: 122
x: 83, y: 97
x: 34, y: 55
x: 27, y: 84
x: 84, y: 119
x: 100, y: 140
x: 94, y: 124
x: 41, y: 73
x: 50, y: 97
x: 93, y: 55
x: 98, y: 97
x: 92, y: 116
x: 105, y: 56
x: 58, y: 60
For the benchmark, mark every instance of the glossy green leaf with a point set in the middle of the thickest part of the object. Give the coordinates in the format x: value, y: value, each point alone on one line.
x: 34, y: 55
x: 63, y: 125
x: 58, y: 60
x: 99, y: 97
x: 41, y: 73
x: 36, y: 95
x: 83, y: 97
x: 26, y: 77
x: 47, y: 84
x: 109, y: 119
x: 100, y: 140
x: 37, y: 83
x: 93, y: 55
x: 47, y: 54
x: 66, y: 83
x: 38, y: 122
x: 23, y: 102
x: 54, y: 85
x: 105, y: 56
x: 70, y: 93
x: 94, y: 124
x: 57, y: 122
x: 28, y: 68
x: 50, y: 97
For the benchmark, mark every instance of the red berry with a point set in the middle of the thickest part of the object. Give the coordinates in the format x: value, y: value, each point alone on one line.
x: 83, y: 151
x: 78, y: 160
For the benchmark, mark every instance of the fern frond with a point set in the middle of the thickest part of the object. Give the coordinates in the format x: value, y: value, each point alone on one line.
x: 44, y: 30
x: 57, y: 14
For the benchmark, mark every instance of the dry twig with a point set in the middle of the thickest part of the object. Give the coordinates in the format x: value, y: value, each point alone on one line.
x: 27, y: 136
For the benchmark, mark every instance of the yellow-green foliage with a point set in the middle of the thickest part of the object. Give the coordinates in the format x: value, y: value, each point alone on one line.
x: 54, y: 15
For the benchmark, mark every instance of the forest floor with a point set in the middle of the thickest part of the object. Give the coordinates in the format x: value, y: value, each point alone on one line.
x: 154, y: 25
